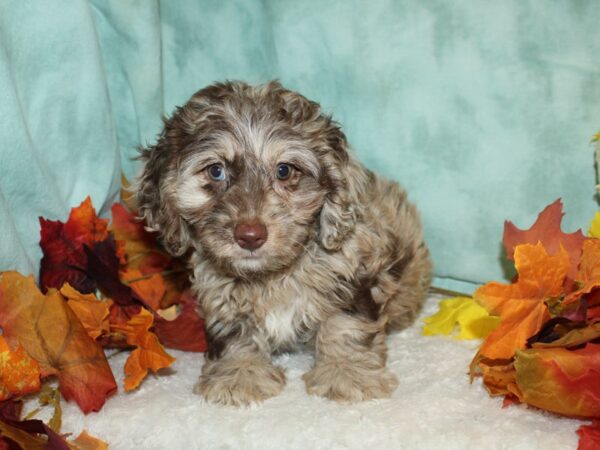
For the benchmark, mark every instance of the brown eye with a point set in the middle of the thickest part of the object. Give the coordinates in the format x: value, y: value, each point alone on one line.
x: 216, y: 172
x: 284, y: 171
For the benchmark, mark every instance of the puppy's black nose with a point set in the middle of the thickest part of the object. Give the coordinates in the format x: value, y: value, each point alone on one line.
x: 250, y: 235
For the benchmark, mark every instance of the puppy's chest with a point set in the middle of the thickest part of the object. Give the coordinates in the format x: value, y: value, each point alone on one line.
x: 288, y: 319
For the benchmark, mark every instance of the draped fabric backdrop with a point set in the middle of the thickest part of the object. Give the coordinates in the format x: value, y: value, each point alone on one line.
x: 482, y: 110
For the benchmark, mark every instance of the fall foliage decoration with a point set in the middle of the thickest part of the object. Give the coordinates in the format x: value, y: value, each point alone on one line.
x: 545, y: 350
x: 103, y: 284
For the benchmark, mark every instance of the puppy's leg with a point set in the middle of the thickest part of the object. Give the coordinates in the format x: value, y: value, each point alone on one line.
x: 350, y: 360
x: 238, y: 368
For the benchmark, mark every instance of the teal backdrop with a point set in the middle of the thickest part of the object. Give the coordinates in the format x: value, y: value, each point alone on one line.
x: 482, y: 110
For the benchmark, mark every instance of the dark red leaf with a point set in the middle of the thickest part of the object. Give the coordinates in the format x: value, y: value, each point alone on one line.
x: 103, y: 267
x: 186, y: 331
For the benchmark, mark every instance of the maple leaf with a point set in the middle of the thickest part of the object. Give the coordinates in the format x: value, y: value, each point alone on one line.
x: 143, y: 255
x: 149, y: 354
x: 186, y: 330
x: 473, y: 320
x: 150, y: 289
x: 589, y: 436
x: 594, y: 230
x: 19, y: 374
x: 62, y: 244
x: 560, y: 380
x: 91, y: 312
x: 85, y: 441
x: 140, y: 246
x: 50, y: 333
x: 546, y: 230
x: 27, y: 434
x: 103, y: 268
x: 521, y: 304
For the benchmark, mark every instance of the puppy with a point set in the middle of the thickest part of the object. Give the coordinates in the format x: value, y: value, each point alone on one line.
x: 291, y: 241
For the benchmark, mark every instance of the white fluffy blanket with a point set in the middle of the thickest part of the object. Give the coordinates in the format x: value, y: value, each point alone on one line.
x: 434, y: 407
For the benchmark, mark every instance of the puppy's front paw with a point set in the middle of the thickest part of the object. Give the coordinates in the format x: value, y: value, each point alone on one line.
x: 239, y: 382
x: 349, y: 384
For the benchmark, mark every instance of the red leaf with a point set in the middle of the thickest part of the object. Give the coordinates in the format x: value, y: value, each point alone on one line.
x: 589, y: 436
x: 186, y: 331
x: 62, y: 245
x: 546, y: 230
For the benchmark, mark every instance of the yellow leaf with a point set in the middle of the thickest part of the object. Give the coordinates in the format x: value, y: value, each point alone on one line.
x: 473, y: 320
x: 594, y: 230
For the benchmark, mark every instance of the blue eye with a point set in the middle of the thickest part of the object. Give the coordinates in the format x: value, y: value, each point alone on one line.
x: 216, y: 172
x: 283, y: 171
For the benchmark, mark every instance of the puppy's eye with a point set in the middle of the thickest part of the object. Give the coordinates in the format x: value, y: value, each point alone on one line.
x: 284, y: 171
x: 216, y: 172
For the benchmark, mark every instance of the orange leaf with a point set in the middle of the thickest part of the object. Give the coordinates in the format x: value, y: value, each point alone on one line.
x: 150, y: 288
x: 50, y: 333
x: 560, y: 380
x: 498, y: 376
x: 91, y: 312
x: 149, y: 354
x: 85, y: 441
x: 84, y: 227
x: 139, y: 245
x: 19, y: 374
x: 546, y: 230
x: 521, y: 304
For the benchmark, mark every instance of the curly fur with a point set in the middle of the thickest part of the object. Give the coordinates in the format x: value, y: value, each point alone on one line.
x: 344, y: 261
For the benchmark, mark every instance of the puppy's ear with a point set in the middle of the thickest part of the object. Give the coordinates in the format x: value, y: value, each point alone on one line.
x: 338, y: 215
x: 154, y: 200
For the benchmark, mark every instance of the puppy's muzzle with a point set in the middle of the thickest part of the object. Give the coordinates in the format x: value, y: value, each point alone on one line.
x: 250, y: 235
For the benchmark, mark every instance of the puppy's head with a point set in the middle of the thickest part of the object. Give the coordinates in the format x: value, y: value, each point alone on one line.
x: 248, y: 175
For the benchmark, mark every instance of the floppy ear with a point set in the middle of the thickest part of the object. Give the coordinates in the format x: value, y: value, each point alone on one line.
x: 338, y: 215
x: 154, y: 200
x: 337, y: 218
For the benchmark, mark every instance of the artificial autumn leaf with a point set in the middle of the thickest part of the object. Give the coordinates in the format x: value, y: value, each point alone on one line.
x: 186, y: 330
x: 85, y: 441
x: 149, y: 354
x: 473, y: 320
x: 28, y: 434
x: 128, y: 195
x: 573, y: 338
x: 103, y: 268
x: 546, y: 230
x: 91, y: 312
x: 62, y: 244
x: 51, y: 333
x: 19, y: 374
x: 140, y: 246
x: 589, y: 436
x: 143, y: 253
x: 521, y: 304
x: 560, y: 380
x: 594, y: 230
x: 150, y: 289
x: 498, y: 376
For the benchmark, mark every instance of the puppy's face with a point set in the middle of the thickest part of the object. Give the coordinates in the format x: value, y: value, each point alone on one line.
x: 250, y: 198
x: 246, y: 175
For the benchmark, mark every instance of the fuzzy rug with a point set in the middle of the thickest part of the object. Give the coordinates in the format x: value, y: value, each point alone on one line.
x: 434, y: 407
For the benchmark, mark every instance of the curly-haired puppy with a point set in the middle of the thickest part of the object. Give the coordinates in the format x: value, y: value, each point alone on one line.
x: 291, y: 241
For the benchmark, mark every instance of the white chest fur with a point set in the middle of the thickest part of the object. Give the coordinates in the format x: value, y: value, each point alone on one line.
x: 289, y: 322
